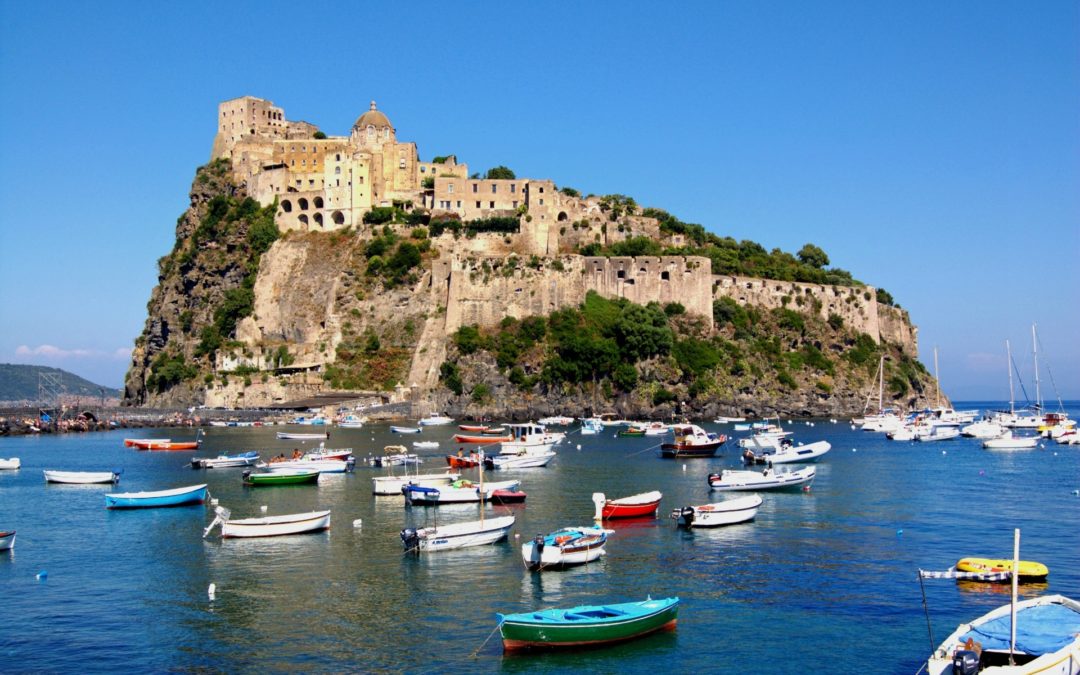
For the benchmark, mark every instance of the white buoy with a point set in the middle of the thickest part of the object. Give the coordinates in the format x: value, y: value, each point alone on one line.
x: 943, y: 452
x: 263, y: 508
x: 579, y: 446
x: 854, y: 450
x: 211, y: 591
x: 853, y: 427
x: 684, y: 467
x: 359, y: 522
x: 517, y: 535
x: 213, y: 501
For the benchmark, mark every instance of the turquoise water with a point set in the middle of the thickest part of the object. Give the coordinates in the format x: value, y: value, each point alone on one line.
x: 823, y: 581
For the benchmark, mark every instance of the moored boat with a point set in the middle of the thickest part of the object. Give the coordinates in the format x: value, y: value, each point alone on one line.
x: 1010, y: 441
x: 283, y: 477
x: 692, y: 441
x: 7, y: 540
x: 507, y: 497
x: 786, y: 452
x: 224, y: 461
x: 587, y: 625
x: 481, y: 440
x: 426, y: 445
x: 288, y: 436
x: 435, y: 419
x: 1047, y: 640
x: 528, y: 460
x: 271, y: 526
x: 458, y: 492
x: 130, y: 442
x: 392, y: 485
x: 82, y: 477
x: 641, y: 505
x: 456, y: 535
x: 564, y: 548
x: 166, y: 445
x: 10, y: 464
x: 194, y: 494
x: 728, y: 512
x: 749, y: 481
x: 405, y: 430
x: 556, y: 421
x: 462, y: 461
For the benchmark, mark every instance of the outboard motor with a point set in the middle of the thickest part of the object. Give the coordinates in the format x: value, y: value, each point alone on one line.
x: 686, y: 516
x: 965, y: 662
x: 714, y: 476
x: 411, y: 540
x: 538, y: 541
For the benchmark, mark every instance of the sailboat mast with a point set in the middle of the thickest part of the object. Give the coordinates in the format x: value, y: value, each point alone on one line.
x: 881, y: 384
x: 937, y: 380
x: 1008, y: 365
x: 1035, y: 353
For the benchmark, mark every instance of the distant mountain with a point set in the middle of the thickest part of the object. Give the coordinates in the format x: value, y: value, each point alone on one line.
x: 20, y: 382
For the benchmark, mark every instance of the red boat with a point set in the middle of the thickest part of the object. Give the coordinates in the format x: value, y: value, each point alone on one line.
x: 481, y: 440
x: 473, y: 427
x: 130, y: 442
x: 692, y: 441
x: 165, y: 445
x: 464, y: 462
x: 636, y: 506
x: 507, y: 497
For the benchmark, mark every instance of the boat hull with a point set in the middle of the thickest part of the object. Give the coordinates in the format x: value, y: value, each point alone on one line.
x: 285, y: 436
x: 285, y: 477
x: 628, y: 508
x: 276, y: 526
x: 458, y: 535
x: 81, y: 477
x: 195, y: 494
x: 481, y: 440
x: 810, y: 452
x: 750, y: 481
x: 580, y: 550
x: 392, y: 485
x: 529, y: 460
x: 676, y: 451
x: 166, y: 446
x: 587, y: 626
x: 729, y: 512
x: 10, y: 464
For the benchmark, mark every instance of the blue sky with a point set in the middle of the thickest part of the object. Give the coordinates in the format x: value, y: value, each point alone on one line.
x: 932, y: 149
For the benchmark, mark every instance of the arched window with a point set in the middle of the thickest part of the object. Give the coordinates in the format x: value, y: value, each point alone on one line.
x: 303, y: 219
x: 318, y: 202
x: 338, y: 217
x: 302, y: 203
x: 318, y: 219
x: 371, y: 132
x: 286, y: 206
x: 386, y: 132
x: 562, y: 216
x: 337, y: 170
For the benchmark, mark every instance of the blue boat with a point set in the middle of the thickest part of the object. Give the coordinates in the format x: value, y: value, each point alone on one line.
x: 193, y: 494
x: 588, y: 625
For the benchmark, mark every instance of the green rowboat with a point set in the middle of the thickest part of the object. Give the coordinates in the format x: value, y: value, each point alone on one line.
x: 289, y: 477
x: 587, y: 625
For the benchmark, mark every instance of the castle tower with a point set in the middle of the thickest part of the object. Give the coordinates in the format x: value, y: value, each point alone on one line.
x: 372, y: 129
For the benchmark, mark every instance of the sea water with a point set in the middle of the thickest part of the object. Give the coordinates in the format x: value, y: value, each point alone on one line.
x: 821, y: 581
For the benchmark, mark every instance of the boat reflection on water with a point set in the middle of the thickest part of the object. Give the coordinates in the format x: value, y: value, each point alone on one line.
x: 559, y: 585
x: 1026, y: 590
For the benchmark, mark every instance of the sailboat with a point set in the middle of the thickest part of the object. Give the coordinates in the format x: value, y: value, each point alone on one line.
x: 886, y: 419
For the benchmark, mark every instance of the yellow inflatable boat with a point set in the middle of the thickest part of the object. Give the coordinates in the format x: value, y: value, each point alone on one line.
x: 1028, y: 570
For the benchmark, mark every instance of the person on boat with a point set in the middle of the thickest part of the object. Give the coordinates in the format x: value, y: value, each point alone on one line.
x: 296, y: 454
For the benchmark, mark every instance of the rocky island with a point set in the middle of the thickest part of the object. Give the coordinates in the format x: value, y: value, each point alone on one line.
x: 309, y: 263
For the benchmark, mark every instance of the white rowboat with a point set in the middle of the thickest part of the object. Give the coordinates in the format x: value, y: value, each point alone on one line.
x: 10, y: 464
x: 752, y: 481
x: 82, y: 477
x: 457, y: 535
x: 726, y: 512
x: 272, y: 526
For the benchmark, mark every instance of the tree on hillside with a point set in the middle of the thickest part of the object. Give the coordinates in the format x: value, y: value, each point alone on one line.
x: 813, y: 256
x: 500, y: 172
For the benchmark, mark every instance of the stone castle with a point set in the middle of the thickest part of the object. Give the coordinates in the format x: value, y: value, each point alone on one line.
x: 326, y: 183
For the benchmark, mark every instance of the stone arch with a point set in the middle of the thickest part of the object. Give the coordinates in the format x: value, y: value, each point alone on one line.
x: 302, y: 203
x: 318, y: 219
x: 563, y: 217
x: 303, y: 219
x: 338, y: 217
x: 286, y: 206
x: 318, y: 202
